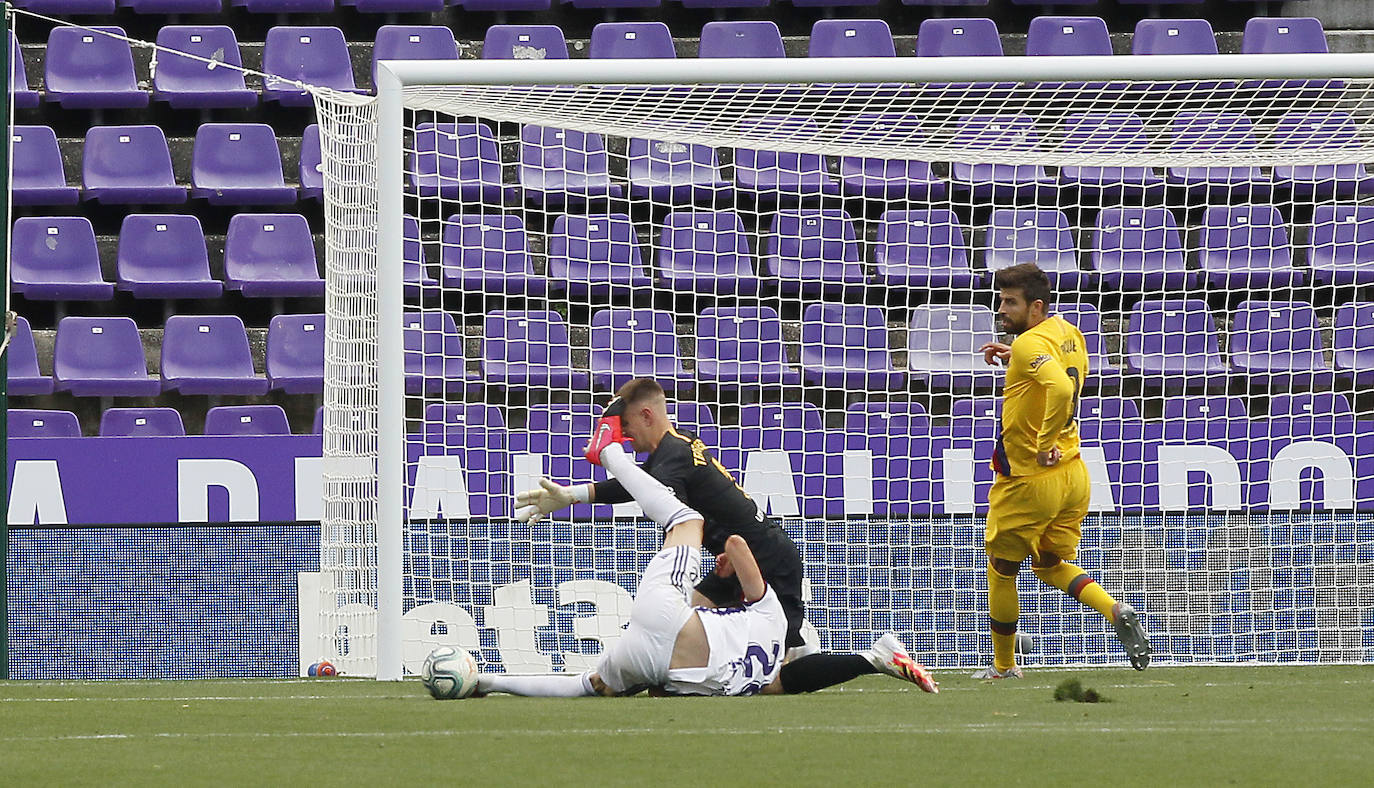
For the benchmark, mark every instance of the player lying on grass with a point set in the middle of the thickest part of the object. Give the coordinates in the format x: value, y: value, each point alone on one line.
x: 1040, y: 496
x: 682, y: 463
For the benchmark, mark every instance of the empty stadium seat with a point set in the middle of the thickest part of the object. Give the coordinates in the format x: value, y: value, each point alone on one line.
x: 777, y: 175
x: 477, y: 415
x: 238, y: 164
x: 396, y: 6
x: 674, y: 172
x: 1138, y: 249
x: 1173, y: 37
x: 1277, y: 343
x: 844, y: 346
x: 22, y: 359
x: 636, y: 343
x: 1285, y: 35
x: 529, y: 349
x: 247, y: 420
x: 311, y: 167
x: 851, y: 38
x: 1003, y: 133
x: 1342, y: 245
x: 1173, y: 345
x: 946, y: 2
x: 897, y: 419
x: 524, y: 42
x: 285, y: 6
x: 706, y: 252
x: 1245, y: 247
x: 504, y: 5
x: 187, y: 83
x: 561, y: 166
x: 101, y: 357
x: 23, y: 423
x: 888, y: 178
x: 695, y: 418
x: 271, y: 255
x: 295, y: 354
x: 1107, y: 133
x: 129, y: 165
x: 37, y: 176
x: 313, y: 55
x: 1327, y: 132
x: 21, y: 96
x: 54, y: 258
x: 1321, y: 403
x: 488, y: 253
x: 742, y: 346
x: 924, y: 248
x: 164, y: 256
x: 141, y: 423
x: 1068, y: 35
x: 1205, y: 417
x: 631, y: 39
x: 413, y: 42
x: 414, y: 263
x: 1220, y: 132
x: 1353, y: 342
x: 68, y: 7
x: 594, y: 255
x: 1102, y: 374
x: 812, y: 251
x: 208, y: 354
x: 943, y: 342
x: 84, y: 69
x: 782, y: 416
x: 756, y: 38
x: 173, y: 6
x: 435, y: 361
x: 1040, y: 236
x: 831, y: 3
x: 1107, y: 409
x: 457, y: 161
x: 977, y: 417
x: 967, y: 37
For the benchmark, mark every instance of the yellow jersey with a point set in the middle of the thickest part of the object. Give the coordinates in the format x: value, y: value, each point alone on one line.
x: 1048, y: 366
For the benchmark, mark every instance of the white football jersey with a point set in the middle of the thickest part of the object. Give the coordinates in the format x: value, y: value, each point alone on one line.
x: 747, y: 645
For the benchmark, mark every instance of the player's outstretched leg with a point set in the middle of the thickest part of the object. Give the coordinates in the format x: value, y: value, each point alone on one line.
x: 889, y: 655
x: 1078, y: 584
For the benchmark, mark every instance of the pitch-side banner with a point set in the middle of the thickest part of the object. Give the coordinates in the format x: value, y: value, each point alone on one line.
x: 1234, y: 466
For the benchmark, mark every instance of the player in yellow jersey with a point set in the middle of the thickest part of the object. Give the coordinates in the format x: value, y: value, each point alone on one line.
x: 1040, y: 496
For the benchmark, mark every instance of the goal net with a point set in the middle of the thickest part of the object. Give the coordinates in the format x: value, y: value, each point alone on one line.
x: 803, y: 253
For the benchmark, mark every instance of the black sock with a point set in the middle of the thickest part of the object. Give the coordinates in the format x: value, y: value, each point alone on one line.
x: 818, y: 671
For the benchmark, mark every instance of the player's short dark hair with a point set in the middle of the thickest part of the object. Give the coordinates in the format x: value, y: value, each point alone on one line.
x: 639, y: 390
x: 1029, y: 279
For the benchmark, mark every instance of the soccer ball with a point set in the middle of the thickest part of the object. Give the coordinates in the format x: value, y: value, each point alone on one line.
x: 449, y: 673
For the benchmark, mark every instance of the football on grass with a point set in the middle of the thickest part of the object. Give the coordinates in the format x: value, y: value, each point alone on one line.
x: 449, y: 673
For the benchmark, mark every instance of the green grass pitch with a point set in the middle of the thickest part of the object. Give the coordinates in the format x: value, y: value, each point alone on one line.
x: 1196, y: 725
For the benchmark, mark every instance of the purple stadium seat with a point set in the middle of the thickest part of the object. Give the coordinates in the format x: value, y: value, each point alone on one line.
x: 101, y: 357
x: 295, y: 354
x: 313, y: 55
x: 631, y: 39
x: 1245, y: 247
x: 1321, y: 403
x: 1138, y: 249
x: 1205, y: 417
x: 923, y: 249
x: 773, y: 175
x: 695, y: 418
x: 1173, y: 345
x: 238, y: 164
x: 413, y: 42
x: 1001, y: 133
x: 965, y: 37
x: 38, y: 177
x: 21, y: 97
x: 889, y: 178
x: 851, y: 38
x: 504, y: 5
x: 706, y: 252
x: 1173, y: 37
x: 675, y: 172
x: 488, y: 253
x: 173, y: 6
x: 831, y: 3
x: 845, y: 347
x: 271, y: 255
x: 475, y: 415
x: 1342, y: 245
x: 1068, y: 35
x: 247, y: 420
x: 1205, y: 132
x: 594, y: 255
x: 782, y: 416
x: 636, y: 343
x: 24, y: 377
x: 560, y: 166
x: 1101, y: 373
x: 1107, y: 132
x: 979, y: 417
x: 945, y: 2
x: 396, y: 6
x: 435, y: 360
x: 164, y: 256
x: 185, y: 83
x: 887, y: 418
x: 1278, y: 343
x: 1107, y: 409
x: 285, y: 6
x: 742, y: 346
x: 414, y: 265
x: 1353, y: 343
x: 1328, y: 132
x: 529, y: 349
x: 759, y: 38
x: 1040, y: 236
x: 129, y: 165
x: 141, y: 423
x: 68, y: 7
x: 311, y: 164
x: 1286, y: 35
x: 457, y: 161
x: 208, y: 354
x: 86, y: 70
x: 23, y: 423
x: 524, y: 42
x: 942, y: 346
x: 812, y: 251
x: 54, y: 258
x: 726, y: 4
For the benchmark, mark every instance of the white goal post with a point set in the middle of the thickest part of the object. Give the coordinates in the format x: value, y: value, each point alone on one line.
x: 1113, y: 145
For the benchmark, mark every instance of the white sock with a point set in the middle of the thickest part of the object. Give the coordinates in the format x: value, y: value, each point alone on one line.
x: 553, y: 685
x: 653, y: 496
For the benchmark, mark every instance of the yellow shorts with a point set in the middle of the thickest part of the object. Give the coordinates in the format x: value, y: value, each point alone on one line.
x: 1030, y: 515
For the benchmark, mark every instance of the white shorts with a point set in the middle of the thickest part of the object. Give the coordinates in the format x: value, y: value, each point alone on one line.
x: 747, y: 645
x: 640, y: 658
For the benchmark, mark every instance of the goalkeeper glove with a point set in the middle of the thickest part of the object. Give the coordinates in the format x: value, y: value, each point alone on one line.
x: 608, y: 431
x: 535, y: 505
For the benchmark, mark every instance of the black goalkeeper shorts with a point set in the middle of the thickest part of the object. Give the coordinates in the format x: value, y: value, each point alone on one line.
x: 781, y: 564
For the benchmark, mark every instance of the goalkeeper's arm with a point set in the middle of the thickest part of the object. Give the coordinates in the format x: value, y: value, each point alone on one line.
x: 550, y: 496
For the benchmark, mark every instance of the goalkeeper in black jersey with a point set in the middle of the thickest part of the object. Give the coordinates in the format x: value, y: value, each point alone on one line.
x: 639, y: 417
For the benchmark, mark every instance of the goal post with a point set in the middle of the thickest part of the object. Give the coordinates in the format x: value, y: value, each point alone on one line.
x: 802, y: 250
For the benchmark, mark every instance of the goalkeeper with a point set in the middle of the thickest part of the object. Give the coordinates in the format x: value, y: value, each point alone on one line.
x: 682, y: 463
